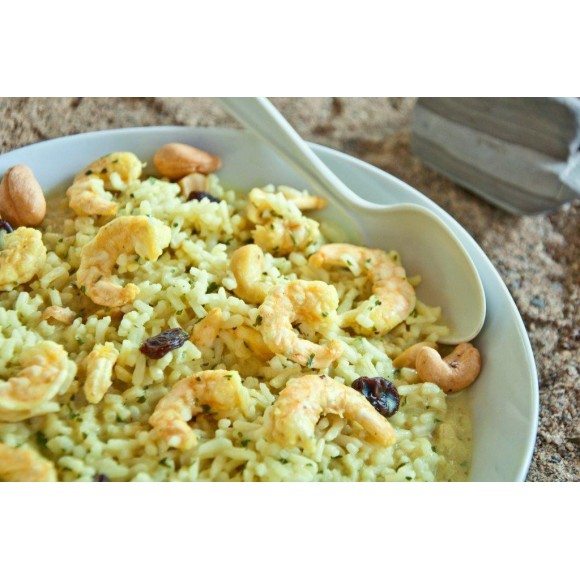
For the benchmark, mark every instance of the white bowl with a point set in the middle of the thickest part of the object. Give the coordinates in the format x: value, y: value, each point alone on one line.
x: 504, y: 401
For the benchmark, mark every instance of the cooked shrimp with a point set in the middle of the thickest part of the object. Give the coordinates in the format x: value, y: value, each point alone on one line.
x: 58, y: 313
x: 254, y: 341
x: 309, y: 302
x: 24, y: 465
x: 147, y: 237
x: 220, y: 392
x: 247, y: 266
x: 303, y: 400
x: 303, y: 201
x: 45, y: 371
x: 87, y: 196
x: 280, y: 237
x: 206, y: 331
x: 281, y: 228
x: 22, y: 257
x: 393, y: 298
x: 100, y: 363
x: 116, y: 170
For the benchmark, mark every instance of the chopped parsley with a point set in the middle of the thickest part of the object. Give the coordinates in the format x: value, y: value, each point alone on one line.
x: 310, y: 361
x: 206, y: 408
x: 283, y: 460
x: 258, y: 320
x: 41, y: 439
x: 324, y: 314
x: 244, y: 442
x: 141, y: 399
x: 212, y: 288
x: 80, y: 340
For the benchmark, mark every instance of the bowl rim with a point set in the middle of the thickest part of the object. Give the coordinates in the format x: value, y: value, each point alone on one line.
x: 473, y: 248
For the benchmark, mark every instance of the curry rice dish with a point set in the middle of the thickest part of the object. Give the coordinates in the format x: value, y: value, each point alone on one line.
x: 165, y: 329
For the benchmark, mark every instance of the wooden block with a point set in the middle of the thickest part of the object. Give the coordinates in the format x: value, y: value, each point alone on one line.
x: 520, y: 154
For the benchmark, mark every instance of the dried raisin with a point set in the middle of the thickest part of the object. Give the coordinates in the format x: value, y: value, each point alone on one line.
x: 158, y: 346
x: 4, y: 225
x: 199, y: 195
x: 382, y: 394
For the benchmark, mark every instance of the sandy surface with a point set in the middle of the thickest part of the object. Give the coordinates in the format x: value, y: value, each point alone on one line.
x: 537, y: 257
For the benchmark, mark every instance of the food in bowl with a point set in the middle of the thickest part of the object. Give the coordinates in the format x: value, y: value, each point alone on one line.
x: 167, y: 329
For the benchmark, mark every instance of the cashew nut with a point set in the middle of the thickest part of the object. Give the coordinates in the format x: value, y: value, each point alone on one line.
x: 453, y: 373
x: 193, y: 182
x: 22, y: 201
x: 408, y: 357
x: 176, y: 160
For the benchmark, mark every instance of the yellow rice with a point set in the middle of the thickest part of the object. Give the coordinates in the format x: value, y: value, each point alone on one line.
x: 114, y: 438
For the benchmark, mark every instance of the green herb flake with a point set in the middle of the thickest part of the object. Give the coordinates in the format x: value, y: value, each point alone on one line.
x: 408, y: 478
x: 310, y: 361
x: 258, y: 320
x: 283, y: 460
x: 212, y: 288
x: 228, y: 376
x: 41, y: 439
x: 80, y: 340
x: 89, y: 172
x: 206, y: 408
x: 165, y: 461
x: 324, y: 314
x: 141, y: 399
x: 244, y: 442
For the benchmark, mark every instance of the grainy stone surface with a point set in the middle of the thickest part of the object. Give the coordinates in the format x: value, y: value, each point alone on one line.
x: 537, y: 257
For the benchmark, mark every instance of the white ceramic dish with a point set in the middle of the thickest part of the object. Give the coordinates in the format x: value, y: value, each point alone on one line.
x: 504, y: 401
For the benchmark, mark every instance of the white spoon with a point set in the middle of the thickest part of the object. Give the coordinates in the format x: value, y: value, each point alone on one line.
x: 426, y: 246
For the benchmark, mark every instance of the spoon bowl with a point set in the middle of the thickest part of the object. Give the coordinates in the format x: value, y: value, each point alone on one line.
x: 426, y: 245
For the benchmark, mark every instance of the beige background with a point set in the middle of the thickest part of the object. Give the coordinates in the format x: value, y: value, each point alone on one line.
x: 537, y: 257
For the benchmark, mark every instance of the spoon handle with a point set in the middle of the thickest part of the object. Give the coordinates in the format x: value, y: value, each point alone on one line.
x: 265, y: 121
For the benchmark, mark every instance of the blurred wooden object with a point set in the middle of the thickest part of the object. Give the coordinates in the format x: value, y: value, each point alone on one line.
x: 521, y: 154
